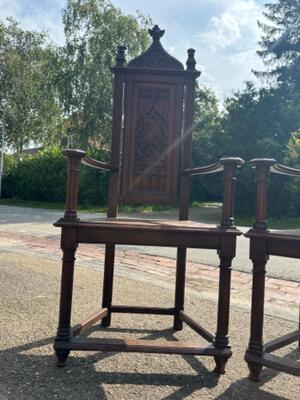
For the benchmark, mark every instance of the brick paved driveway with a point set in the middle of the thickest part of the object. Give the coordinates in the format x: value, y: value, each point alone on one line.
x: 38, y: 222
x: 30, y: 230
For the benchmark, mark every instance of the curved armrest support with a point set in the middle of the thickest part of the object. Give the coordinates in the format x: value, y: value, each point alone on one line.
x: 216, y: 167
x: 284, y: 170
x: 91, y: 162
x: 263, y: 168
x: 207, y: 169
x: 229, y: 165
x: 74, y: 160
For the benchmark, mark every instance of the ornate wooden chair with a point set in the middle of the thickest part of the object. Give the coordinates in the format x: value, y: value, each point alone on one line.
x: 263, y: 243
x: 150, y: 162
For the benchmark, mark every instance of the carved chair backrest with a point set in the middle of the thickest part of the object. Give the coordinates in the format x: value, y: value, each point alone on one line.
x: 153, y: 109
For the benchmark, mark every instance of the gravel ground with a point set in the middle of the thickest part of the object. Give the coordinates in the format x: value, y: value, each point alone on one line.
x: 29, y: 288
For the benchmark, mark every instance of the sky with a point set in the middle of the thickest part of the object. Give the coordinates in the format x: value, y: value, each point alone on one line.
x: 224, y: 33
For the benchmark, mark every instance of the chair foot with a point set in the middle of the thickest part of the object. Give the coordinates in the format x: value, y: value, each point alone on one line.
x: 220, y: 364
x: 178, y: 324
x: 255, y: 370
x: 62, y: 357
x: 105, y: 322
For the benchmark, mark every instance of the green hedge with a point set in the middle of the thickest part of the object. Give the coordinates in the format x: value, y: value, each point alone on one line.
x: 42, y: 177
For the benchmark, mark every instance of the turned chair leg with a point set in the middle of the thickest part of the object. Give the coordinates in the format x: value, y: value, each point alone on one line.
x: 255, y: 370
x: 221, y: 338
x: 64, y: 333
x: 179, y: 286
x: 257, y: 317
x: 108, y: 279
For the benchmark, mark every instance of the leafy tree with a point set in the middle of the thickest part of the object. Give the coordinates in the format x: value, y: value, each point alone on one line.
x: 292, y: 153
x: 207, y: 126
x: 280, y: 51
x: 29, y: 105
x: 94, y: 29
x: 280, y: 43
x: 206, y: 138
x: 258, y: 123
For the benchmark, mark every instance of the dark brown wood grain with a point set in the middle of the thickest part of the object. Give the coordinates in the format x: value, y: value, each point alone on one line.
x: 143, y: 310
x: 264, y: 243
x: 151, y: 159
x: 143, y: 346
x: 76, y: 330
x: 196, y: 327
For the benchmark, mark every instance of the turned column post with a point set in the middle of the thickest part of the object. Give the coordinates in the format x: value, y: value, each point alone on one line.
x: 74, y: 160
x: 230, y: 166
x: 262, y: 167
x: 259, y: 257
x: 226, y: 254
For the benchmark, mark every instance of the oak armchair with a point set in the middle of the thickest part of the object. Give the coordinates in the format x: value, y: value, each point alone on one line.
x: 153, y: 108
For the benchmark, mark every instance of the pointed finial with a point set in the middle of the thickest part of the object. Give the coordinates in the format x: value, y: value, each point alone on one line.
x: 191, y: 62
x: 120, y: 58
x: 156, y: 33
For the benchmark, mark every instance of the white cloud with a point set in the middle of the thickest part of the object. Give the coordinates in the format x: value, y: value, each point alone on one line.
x: 34, y: 17
x: 227, y: 46
x: 238, y: 22
x: 10, y: 8
x: 223, y: 32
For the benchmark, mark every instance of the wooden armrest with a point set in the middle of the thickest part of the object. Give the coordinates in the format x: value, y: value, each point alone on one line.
x: 274, y: 166
x: 284, y: 170
x: 73, y: 153
x: 207, y: 169
x: 216, y: 167
x: 75, y: 159
x: 229, y: 165
x: 263, y: 168
x: 91, y: 162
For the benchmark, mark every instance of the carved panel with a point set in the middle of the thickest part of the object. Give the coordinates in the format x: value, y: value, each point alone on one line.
x: 150, y: 156
x: 151, y: 143
x: 151, y: 139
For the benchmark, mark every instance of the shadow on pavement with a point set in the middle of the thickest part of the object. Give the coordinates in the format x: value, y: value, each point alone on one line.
x: 35, y: 376
x: 242, y: 387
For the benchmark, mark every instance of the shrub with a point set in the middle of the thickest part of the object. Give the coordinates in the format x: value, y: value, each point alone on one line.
x: 43, y: 177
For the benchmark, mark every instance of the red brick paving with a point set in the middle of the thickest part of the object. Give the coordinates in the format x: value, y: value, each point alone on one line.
x: 198, y: 275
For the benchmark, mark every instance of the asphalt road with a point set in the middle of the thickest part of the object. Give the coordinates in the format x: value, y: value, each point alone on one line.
x: 38, y: 222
